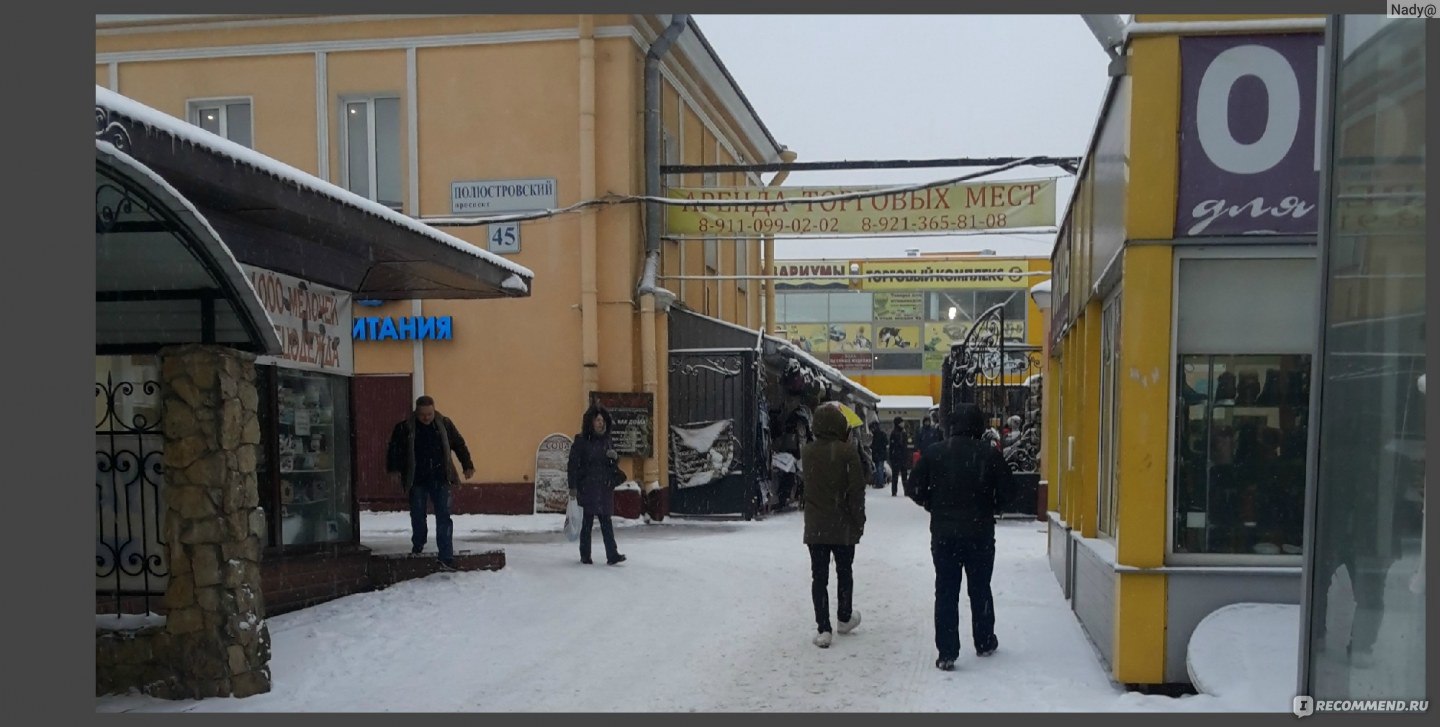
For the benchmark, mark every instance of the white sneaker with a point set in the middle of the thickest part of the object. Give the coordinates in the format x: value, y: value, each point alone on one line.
x: 846, y: 627
x: 822, y: 639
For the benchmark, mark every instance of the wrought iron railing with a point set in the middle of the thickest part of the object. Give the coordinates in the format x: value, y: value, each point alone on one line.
x: 130, y: 555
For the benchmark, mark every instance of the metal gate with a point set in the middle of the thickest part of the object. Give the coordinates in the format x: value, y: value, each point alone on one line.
x: 715, y: 466
x: 131, y: 567
x: 1003, y: 379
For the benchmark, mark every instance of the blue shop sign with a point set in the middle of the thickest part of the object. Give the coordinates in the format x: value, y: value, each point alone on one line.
x: 411, y: 328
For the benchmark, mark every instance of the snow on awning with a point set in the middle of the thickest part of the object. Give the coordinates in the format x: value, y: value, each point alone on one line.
x: 163, y: 276
x: 823, y: 369
x: 275, y: 216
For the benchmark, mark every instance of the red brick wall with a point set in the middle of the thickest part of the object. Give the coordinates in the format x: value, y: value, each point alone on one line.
x: 292, y: 582
x: 490, y: 498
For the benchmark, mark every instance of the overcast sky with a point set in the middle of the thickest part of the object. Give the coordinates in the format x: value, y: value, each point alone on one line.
x: 862, y: 87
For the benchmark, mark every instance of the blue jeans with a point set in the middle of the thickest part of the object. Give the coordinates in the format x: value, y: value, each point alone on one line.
x: 440, y: 496
x: 974, y: 557
x: 879, y: 474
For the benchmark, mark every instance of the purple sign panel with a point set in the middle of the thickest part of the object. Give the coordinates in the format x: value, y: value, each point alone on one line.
x: 1249, y: 135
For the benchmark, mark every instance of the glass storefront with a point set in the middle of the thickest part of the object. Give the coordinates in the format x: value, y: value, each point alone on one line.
x: 304, y: 474
x: 1366, y: 587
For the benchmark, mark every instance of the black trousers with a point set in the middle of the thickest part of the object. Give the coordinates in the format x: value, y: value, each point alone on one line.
x: 900, y: 471
x: 820, y: 581
x: 973, y: 557
x: 607, y: 533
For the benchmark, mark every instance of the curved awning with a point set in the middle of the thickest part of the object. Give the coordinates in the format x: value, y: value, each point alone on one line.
x: 282, y: 219
x: 163, y: 276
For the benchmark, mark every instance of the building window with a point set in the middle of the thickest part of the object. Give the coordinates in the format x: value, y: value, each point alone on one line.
x: 371, y: 149
x: 803, y: 307
x: 229, y: 118
x: 1367, y: 601
x: 1109, y: 411
x: 1245, y: 332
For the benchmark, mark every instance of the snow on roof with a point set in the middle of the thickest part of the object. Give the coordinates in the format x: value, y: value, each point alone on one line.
x: 159, y: 120
x: 825, y: 369
x: 905, y: 402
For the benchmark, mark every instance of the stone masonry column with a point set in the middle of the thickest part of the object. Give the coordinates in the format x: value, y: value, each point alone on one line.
x: 218, y: 641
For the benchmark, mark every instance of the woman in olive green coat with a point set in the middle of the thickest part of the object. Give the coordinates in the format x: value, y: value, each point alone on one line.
x: 834, y: 517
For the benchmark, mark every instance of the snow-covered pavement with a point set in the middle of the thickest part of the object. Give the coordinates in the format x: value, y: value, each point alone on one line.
x: 704, y: 616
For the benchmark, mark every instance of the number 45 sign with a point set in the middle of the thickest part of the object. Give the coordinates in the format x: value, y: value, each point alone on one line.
x: 505, y: 238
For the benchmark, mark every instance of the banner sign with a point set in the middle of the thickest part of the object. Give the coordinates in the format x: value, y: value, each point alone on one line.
x: 634, y: 417
x: 312, y: 321
x: 932, y: 275
x: 801, y: 274
x: 997, y: 205
x: 899, y: 306
x: 1250, y: 135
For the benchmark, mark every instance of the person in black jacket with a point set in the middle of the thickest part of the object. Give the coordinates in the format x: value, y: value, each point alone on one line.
x: 961, y: 482
x: 593, y: 474
x: 879, y: 453
x: 419, y: 460
x: 899, y: 456
x: 929, y: 434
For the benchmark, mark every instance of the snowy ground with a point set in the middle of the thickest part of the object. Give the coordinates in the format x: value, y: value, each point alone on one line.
x: 704, y: 616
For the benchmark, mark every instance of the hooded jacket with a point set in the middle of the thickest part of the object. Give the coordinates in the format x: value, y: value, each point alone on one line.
x: 400, y: 455
x: 591, y: 473
x: 834, y: 483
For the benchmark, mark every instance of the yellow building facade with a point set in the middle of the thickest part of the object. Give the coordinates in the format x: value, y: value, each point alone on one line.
x: 1181, y: 331
x: 453, y: 116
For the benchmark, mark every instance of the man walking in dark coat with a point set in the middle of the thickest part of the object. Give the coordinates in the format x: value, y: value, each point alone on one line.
x: 961, y: 482
x: 899, y: 456
x: 419, y: 459
x: 834, y: 518
x: 593, y: 474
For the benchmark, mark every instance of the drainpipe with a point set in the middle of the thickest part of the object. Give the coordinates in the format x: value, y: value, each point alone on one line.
x: 788, y: 157
x: 589, y: 287
x: 650, y: 353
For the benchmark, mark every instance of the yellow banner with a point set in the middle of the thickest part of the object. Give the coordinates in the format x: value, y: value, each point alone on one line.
x: 892, y: 339
x: 809, y: 337
x: 851, y: 337
x: 998, y: 205
x: 932, y: 275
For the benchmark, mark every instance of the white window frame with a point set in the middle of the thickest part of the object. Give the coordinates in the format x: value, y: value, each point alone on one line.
x: 369, y: 101
x: 195, y: 106
x: 1221, y: 251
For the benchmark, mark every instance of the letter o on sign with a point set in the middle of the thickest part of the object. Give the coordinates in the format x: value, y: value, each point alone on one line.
x: 1282, y: 122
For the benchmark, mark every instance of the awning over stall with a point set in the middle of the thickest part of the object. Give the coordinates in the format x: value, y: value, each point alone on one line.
x: 274, y: 216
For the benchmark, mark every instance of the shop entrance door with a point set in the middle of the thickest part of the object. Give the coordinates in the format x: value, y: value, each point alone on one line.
x: 379, y: 402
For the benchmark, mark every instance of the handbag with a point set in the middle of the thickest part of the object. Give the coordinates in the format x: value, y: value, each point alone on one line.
x: 572, y: 520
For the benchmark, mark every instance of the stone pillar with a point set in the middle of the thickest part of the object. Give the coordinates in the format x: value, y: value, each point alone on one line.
x: 213, y: 526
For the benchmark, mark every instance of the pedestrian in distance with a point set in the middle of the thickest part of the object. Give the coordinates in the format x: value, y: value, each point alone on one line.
x: 879, y: 453
x: 899, y: 457
x: 962, y: 483
x: 834, y: 519
x: 593, y: 473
